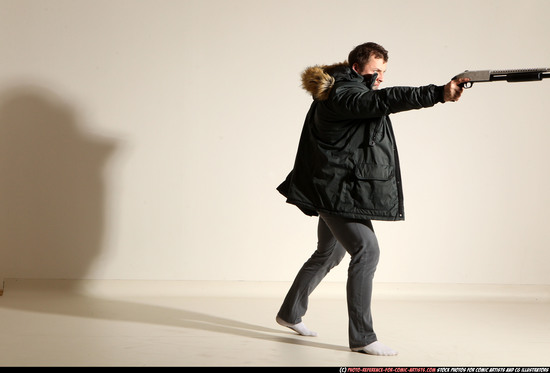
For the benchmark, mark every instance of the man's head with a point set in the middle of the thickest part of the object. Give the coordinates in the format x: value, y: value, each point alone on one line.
x: 367, y: 59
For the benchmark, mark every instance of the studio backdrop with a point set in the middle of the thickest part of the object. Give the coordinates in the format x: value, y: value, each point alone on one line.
x: 145, y: 139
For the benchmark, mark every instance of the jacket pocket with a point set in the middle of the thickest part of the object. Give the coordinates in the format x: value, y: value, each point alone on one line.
x: 374, y: 131
x: 371, y: 171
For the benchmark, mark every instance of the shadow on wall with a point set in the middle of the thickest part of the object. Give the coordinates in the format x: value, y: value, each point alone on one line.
x: 52, y: 192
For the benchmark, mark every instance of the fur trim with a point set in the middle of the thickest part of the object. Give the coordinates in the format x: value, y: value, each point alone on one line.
x: 318, y: 81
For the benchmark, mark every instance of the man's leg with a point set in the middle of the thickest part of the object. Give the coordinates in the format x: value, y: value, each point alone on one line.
x: 329, y: 253
x: 359, y: 240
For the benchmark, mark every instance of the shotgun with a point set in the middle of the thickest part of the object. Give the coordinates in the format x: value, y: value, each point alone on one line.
x: 519, y: 75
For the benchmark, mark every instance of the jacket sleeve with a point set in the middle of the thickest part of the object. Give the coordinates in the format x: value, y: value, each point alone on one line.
x: 357, y: 101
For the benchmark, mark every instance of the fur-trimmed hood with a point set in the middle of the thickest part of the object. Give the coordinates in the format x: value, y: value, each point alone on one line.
x: 318, y: 80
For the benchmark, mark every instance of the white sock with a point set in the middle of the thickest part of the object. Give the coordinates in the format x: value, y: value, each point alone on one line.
x: 377, y: 348
x: 299, y: 328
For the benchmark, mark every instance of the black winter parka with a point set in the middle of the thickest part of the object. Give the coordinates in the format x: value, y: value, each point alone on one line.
x: 347, y: 162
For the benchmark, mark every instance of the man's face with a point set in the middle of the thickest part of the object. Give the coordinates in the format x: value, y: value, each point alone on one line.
x: 373, y: 65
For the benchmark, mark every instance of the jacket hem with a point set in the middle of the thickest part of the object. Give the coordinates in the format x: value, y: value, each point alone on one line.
x: 314, y: 211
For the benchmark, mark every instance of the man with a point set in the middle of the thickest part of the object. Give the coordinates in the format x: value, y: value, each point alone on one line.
x: 347, y: 172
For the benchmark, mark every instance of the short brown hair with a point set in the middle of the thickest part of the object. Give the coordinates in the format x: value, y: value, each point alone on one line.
x: 361, y: 54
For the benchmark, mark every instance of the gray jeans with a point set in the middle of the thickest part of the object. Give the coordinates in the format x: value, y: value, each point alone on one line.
x: 336, y: 236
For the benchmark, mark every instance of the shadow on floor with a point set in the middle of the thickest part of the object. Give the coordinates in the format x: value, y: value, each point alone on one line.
x: 67, y: 302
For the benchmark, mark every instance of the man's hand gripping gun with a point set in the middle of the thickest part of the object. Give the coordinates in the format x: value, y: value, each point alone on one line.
x: 520, y: 75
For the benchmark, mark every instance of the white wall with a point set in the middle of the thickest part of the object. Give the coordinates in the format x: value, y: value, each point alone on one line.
x: 144, y: 139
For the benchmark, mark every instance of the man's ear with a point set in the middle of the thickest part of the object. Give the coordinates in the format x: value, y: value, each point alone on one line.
x: 355, y: 67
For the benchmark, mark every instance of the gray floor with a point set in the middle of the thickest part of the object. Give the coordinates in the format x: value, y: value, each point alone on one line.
x: 121, y: 323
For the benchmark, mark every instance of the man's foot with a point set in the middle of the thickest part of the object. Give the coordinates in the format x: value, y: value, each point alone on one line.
x: 299, y: 328
x: 376, y: 348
